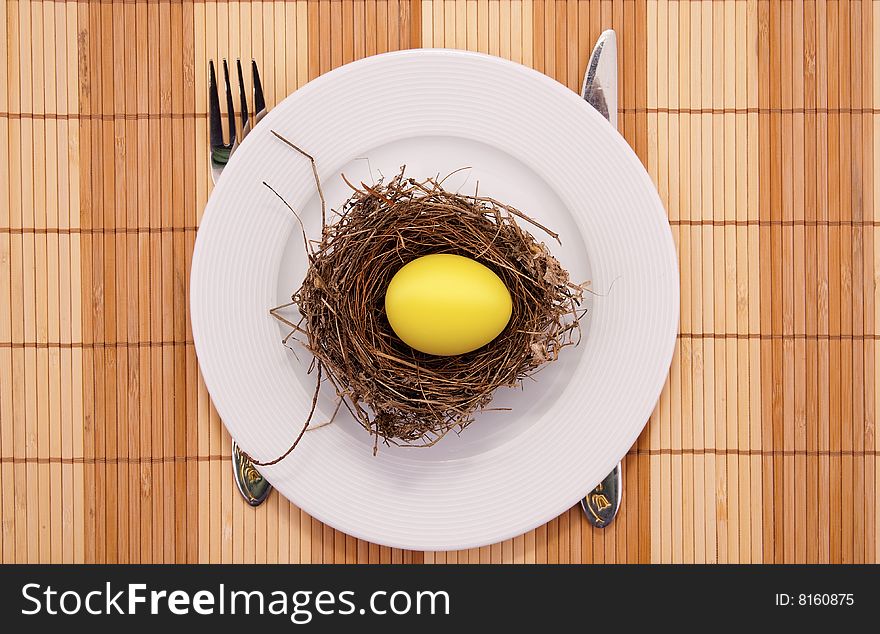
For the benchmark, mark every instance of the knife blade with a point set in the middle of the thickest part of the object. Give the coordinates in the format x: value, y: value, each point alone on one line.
x: 600, y: 80
x: 600, y: 91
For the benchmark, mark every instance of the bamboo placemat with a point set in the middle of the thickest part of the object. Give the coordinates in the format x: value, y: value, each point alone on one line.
x: 758, y: 121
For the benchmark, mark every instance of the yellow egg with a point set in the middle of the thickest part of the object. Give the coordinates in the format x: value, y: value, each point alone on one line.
x: 447, y: 304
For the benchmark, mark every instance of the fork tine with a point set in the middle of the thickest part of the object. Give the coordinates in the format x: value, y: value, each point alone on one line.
x: 242, y: 98
x: 230, y: 109
x: 216, y: 127
x: 259, y: 101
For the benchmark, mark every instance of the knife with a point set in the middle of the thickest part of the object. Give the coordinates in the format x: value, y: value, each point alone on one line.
x: 600, y: 80
x: 600, y: 91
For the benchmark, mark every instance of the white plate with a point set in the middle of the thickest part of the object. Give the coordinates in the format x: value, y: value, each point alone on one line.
x: 529, y: 141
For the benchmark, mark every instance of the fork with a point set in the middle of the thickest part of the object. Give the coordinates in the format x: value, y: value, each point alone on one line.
x: 600, y: 90
x: 254, y: 488
x: 220, y: 151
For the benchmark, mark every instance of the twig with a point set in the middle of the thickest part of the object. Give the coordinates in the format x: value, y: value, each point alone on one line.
x: 301, y: 433
x: 314, y: 172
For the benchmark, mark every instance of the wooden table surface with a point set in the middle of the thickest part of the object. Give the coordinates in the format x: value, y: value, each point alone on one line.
x: 758, y: 120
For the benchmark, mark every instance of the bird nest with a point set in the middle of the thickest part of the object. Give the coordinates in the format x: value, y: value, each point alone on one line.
x: 399, y: 395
